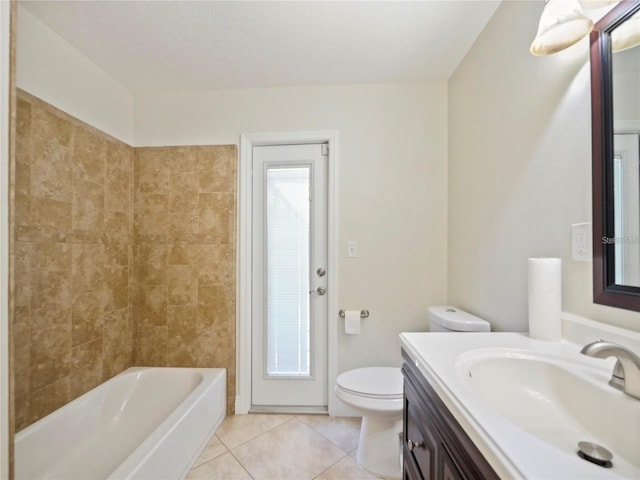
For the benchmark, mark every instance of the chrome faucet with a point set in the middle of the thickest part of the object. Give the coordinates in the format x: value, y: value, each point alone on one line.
x: 626, y: 372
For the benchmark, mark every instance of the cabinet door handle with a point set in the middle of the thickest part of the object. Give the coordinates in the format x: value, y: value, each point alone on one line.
x: 411, y: 445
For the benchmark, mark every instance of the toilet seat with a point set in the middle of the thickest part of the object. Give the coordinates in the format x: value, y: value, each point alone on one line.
x: 383, y: 383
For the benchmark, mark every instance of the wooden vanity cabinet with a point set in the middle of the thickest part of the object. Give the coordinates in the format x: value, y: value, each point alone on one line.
x: 434, y: 444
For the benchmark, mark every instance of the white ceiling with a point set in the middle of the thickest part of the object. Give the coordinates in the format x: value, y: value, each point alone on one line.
x: 200, y: 45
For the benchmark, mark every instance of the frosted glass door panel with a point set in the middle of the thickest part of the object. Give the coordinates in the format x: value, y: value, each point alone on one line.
x: 287, y: 233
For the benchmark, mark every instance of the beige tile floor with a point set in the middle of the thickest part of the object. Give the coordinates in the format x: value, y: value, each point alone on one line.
x: 281, y: 447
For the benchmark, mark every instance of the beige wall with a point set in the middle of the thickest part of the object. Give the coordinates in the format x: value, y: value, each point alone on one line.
x: 54, y: 71
x: 519, y: 171
x: 185, y: 252
x: 72, y: 324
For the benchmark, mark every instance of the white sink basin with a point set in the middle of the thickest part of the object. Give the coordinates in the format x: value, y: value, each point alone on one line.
x: 559, y: 400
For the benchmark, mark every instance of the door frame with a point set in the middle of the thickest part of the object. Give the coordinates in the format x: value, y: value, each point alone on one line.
x: 244, y: 255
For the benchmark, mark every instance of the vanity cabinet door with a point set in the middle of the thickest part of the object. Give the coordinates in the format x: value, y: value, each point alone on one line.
x: 436, y: 447
x: 419, y: 442
x: 410, y: 469
x: 448, y: 467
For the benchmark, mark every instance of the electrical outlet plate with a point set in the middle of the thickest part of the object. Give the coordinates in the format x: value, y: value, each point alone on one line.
x: 581, y: 242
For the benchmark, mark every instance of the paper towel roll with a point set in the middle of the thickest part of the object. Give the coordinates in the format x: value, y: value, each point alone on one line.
x: 545, y: 299
x: 352, y: 322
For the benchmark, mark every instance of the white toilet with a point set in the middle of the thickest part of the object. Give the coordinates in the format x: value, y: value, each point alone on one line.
x: 376, y: 393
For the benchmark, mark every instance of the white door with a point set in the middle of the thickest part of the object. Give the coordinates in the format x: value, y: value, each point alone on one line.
x: 289, y: 277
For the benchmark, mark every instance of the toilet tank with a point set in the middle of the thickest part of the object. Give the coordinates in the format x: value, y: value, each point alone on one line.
x: 453, y: 319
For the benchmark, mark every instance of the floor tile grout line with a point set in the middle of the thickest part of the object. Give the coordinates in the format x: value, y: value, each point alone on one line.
x: 259, y: 434
x: 242, y: 465
x: 252, y: 439
x: 323, y: 436
x: 226, y: 449
x: 317, y: 431
x: 329, y: 439
x: 331, y: 466
x: 198, y: 465
x: 224, y: 443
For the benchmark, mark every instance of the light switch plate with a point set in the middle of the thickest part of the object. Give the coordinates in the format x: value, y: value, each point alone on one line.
x: 352, y: 249
x: 581, y: 242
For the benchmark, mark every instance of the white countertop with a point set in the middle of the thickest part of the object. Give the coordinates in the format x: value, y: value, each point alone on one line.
x: 512, y: 452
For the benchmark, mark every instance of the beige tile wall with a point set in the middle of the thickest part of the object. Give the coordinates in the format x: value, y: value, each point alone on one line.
x: 72, y: 258
x: 184, y: 242
x: 122, y: 256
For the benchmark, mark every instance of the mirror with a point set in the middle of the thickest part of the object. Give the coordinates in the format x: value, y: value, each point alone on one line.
x: 615, y: 109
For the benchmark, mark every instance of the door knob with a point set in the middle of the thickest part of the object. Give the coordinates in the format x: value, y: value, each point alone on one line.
x: 319, y: 291
x: 411, y: 445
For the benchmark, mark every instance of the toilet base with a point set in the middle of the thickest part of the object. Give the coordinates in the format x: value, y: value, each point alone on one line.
x: 380, y: 446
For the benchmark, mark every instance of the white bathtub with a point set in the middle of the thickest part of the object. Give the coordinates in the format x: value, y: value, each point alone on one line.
x: 145, y: 423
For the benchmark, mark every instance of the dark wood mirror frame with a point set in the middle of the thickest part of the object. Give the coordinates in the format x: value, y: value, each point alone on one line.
x: 605, y: 290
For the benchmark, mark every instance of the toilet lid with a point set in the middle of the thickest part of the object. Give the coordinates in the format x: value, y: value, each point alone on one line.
x: 372, y: 381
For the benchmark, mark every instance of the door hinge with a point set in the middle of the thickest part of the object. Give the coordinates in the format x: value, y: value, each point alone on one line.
x: 325, y: 149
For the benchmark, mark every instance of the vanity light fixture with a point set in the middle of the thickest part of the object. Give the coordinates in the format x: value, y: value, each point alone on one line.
x: 626, y: 35
x: 561, y: 25
x: 596, y: 4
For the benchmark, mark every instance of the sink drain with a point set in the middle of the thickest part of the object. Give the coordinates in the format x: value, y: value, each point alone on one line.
x: 594, y: 453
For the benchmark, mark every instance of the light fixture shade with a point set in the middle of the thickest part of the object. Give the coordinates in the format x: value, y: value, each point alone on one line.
x: 626, y: 35
x: 562, y: 24
x: 595, y: 4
